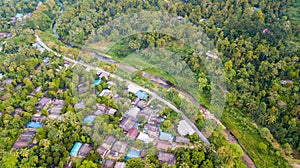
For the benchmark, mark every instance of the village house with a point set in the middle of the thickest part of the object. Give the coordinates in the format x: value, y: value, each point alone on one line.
x: 166, y: 136
x: 146, y: 113
x: 84, y: 150
x: 38, y: 117
x: 162, y: 145
x: 119, y: 147
x: 55, y: 117
x: 102, y: 109
x: 45, y: 101
x: 182, y: 140
x: 142, y: 95
x: 132, y: 88
x: 105, y: 93
x: 135, y: 101
x: 184, y: 128
x: 24, y: 139
x: 5, y: 35
x: 111, y: 111
x: 126, y: 123
x: 164, y: 157
x: 17, y: 111
x: 144, y: 138
x: 141, y: 104
x: 89, y: 119
x: 155, y: 120
x: 103, y: 74
x: 79, y: 105
x: 7, y: 81
x: 41, y: 49
x: 81, y: 88
x: 132, y: 112
x: 132, y: 153
x: 108, y: 141
x: 102, y: 151
x: 57, y: 106
x: 120, y: 165
x: 36, y: 90
x: 108, y: 164
x: 132, y: 133
x: 151, y: 130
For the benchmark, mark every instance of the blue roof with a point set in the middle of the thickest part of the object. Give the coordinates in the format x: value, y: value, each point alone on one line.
x: 38, y: 46
x: 166, y: 136
x: 75, y: 149
x: 89, y: 119
x: 97, y: 82
x: 132, y: 153
x: 141, y: 95
x: 34, y: 125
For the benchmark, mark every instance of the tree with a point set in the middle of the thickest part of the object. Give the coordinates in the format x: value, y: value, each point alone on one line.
x: 263, y: 147
x: 194, y: 137
x: 9, y: 160
x: 88, y: 164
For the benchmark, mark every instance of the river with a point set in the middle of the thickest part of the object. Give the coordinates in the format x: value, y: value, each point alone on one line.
x: 54, y: 27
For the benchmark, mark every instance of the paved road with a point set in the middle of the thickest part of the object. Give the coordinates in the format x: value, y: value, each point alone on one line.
x: 154, y: 95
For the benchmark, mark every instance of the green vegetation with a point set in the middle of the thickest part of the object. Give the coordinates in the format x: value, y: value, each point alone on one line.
x: 259, y: 48
x: 259, y: 149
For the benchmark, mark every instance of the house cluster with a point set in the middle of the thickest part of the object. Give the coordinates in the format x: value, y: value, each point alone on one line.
x: 141, y: 113
x: 113, y: 148
x: 54, y: 107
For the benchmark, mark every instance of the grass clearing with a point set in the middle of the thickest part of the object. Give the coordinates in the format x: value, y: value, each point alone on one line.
x: 259, y: 149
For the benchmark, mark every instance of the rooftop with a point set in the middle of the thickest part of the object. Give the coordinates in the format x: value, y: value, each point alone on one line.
x: 145, y: 138
x: 105, y: 92
x: 84, y: 150
x: 142, y: 95
x: 108, y: 164
x: 120, y: 165
x: 119, y: 147
x: 133, y: 88
x: 108, y: 141
x: 75, y: 149
x: 166, y: 136
x: 126, y: 123
x: 132, y: 153
x: 182, y: 140
x: 35, y: 125
x: 163, y: 145
x: 133, y: 112
x: 166, y: 157
x: 102, y: 151
x: 97, y: 82
x: 79, y: 105
x: 133, y: 133
x: 89, y: 119
x: 184, y: 128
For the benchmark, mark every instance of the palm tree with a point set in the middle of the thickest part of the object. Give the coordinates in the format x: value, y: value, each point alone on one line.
x: 24, y: 152
x: 271, y: 119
